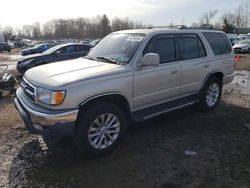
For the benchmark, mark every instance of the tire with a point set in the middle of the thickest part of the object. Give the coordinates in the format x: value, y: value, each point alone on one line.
x: 248, y: 51
x: 92, y: 142
x: 1, y: 94
x: 211, y: 94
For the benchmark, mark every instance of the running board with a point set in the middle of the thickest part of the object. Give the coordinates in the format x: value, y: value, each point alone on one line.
x: 154, y: 111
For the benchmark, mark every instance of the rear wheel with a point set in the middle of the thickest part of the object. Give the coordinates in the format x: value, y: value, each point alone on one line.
x: 211, y: 94
x: 100, y: 129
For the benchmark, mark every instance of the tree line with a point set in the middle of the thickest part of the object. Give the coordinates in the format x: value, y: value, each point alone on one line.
x: 230, y: 22
x: 78, y: 28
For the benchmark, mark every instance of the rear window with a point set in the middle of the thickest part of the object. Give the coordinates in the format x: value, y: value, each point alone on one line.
x: 218, y: 42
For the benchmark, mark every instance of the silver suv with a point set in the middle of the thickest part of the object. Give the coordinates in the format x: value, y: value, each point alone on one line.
x: 130, y: 75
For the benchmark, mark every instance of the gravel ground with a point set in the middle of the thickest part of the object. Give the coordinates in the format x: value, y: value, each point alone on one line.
x: 152, y: 155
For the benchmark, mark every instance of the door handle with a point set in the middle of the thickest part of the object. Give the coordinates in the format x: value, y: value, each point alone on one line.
x: 174, y: 72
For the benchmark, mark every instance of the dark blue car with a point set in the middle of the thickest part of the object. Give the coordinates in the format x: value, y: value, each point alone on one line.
x: 57, y: 53
x: 36, y: 49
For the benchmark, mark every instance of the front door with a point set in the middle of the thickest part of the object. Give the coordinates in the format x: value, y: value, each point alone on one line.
x: 155, y: 85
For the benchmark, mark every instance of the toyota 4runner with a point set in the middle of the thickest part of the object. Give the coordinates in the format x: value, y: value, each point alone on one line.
x: 130, y: 75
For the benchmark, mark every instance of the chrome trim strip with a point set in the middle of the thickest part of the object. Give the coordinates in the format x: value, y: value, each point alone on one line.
x: 168, y: 110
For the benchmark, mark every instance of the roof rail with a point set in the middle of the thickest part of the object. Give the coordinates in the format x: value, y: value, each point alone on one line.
x: 169, y: 27
x: 183, y: 27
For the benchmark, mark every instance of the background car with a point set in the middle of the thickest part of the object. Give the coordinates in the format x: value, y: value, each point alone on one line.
x: 11, y: 44
x: 4, y: 46
x: 57, y: 53
x: 36, y: 49
x: 242, y: 46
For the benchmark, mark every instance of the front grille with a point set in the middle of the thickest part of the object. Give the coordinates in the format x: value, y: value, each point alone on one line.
x: 28, y: 89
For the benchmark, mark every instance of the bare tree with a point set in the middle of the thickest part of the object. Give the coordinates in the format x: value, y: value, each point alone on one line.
x: 36, y: 30
x: 8, y: 32
x: 27, y: 31
x: 229, y: 17
x: 48, y: 30
x: 207, y: 17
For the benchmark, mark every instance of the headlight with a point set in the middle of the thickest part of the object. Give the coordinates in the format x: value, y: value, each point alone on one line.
x: 50, y: 97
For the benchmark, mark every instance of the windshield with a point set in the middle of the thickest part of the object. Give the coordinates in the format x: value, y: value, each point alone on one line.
x: 119, y: 47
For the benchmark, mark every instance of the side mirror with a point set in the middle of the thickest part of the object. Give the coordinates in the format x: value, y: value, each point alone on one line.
x: 150, y: 59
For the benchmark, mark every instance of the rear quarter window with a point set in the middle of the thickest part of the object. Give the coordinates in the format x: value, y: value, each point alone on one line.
x: 218, y: 42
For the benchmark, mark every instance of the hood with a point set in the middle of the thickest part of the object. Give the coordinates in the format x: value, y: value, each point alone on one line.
x: 241, y: 46
x: 31, y: 56
x: 63, y: 73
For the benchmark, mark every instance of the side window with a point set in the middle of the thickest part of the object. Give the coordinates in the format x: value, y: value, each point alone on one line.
x: 218, y: 42
x: 164, y: 46
x: 81, y: 48
x: 69, y: 49
x: 190, y: 47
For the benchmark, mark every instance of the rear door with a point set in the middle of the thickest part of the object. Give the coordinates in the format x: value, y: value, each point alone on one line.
x: 193, y: 61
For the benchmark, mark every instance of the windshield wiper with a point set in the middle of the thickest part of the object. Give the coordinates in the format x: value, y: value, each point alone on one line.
x: 107, y: 59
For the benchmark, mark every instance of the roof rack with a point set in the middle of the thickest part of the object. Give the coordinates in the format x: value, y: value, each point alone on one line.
x: 205, y: 27
x: 169, y: 27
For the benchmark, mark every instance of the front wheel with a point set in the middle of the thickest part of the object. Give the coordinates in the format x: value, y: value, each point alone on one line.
x: 100, y: 129
x: 211, y: 94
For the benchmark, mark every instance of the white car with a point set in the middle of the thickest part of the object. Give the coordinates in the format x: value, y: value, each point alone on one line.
x: 242, y: 46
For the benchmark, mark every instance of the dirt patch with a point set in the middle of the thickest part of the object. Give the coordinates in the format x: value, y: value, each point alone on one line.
x: 152, y: 155
x: 244, y: 62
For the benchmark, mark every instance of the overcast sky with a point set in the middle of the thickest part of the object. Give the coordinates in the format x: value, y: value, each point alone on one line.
x: 156, y: 12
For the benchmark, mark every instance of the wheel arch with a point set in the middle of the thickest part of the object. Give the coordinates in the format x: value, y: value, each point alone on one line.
x: 218, y: 75
x: 115, y: 98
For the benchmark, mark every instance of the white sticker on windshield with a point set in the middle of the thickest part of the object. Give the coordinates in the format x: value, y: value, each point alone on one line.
x: 135, y: 38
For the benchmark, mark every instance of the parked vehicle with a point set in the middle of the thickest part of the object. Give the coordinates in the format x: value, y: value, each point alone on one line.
x: 56, y: 53
x: 242, y: 46
x: 7, y: 81
x: 28, y: 42
x: 11, y: 44
x: 130, y: 75
x: 18, y: 43
x: 4, y: 46
x: 36, y: 49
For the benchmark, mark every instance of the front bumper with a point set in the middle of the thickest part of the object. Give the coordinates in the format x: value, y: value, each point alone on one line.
x: 46, y: 122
